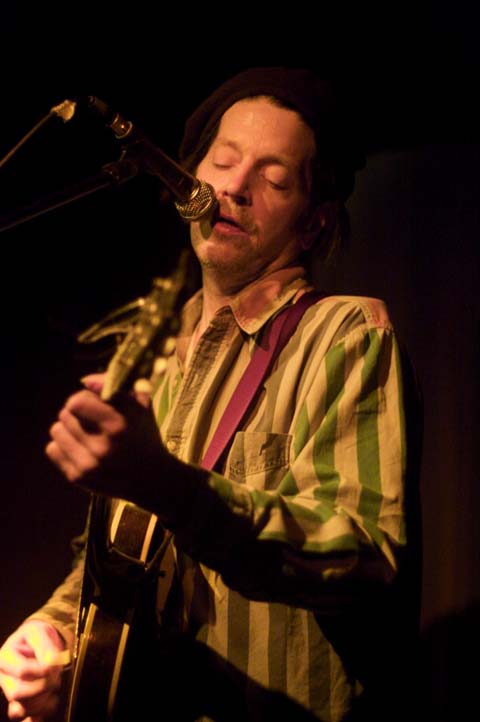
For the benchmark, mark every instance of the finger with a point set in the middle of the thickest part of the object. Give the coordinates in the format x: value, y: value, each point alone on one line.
x: 70, y: 468
x: 23, y: 691
x: 13, y: 664
x: 97, y: 443
x: 87, y: 407
x: 73, y: 448
x: 143, y: 399
x: 35, y: 708
x: 142, y: 391
x: 16, y: 710
x: 57, y: 659
x: 31, y: 652
x: 46, y: 643
x: 43, y: 704
x: 94, y: 382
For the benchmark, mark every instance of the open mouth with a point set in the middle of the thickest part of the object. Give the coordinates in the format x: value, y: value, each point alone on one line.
x: 227, y: 223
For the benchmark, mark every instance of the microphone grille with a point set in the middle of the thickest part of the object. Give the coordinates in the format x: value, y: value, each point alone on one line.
x: 201, y: 202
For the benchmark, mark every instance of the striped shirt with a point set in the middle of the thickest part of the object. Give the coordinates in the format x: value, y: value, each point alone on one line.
x: 307, y: 520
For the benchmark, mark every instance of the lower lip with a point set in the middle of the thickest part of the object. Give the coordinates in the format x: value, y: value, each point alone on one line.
x: 227, y: 229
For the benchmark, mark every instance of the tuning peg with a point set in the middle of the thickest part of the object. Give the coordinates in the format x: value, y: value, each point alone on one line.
x: 169, y: 345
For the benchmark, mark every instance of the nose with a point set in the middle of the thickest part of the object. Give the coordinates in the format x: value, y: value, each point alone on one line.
x: 238, y: 186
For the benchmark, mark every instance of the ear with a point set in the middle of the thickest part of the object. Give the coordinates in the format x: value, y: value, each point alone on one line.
x: 316, y: 222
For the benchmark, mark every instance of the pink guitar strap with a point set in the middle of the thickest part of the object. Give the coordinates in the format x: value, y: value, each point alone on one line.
x: 264, y: 356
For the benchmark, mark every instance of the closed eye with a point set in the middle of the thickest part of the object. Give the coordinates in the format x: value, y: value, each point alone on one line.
x: 276, y: 186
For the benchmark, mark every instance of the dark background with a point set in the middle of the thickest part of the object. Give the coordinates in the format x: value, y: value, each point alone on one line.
x: 413, y: 78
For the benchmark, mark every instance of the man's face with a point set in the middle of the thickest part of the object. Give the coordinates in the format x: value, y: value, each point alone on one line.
x: 259, y: 165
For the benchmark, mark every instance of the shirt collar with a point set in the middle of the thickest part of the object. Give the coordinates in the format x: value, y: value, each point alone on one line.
x: 260, y: 300
x: 254, y: 304
x: 252, y: 307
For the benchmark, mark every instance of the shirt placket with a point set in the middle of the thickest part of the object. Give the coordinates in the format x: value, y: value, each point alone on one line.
x: 211, y: 361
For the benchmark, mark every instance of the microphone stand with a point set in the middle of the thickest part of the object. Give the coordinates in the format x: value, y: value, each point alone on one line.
x: 111, y: 174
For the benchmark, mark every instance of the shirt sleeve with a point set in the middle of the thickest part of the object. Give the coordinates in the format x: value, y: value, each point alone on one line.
x: 335, y: 523
x: 61, y: 609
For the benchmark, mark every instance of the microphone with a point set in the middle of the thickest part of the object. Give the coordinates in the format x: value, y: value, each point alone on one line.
x: 194, y: 198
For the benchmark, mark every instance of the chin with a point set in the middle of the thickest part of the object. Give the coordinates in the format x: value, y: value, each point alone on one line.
x: 221, y: 251
x: 225, y: 262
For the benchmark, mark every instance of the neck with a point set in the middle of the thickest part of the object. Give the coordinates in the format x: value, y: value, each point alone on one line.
x: 219, y: 292
x: 213, y: 299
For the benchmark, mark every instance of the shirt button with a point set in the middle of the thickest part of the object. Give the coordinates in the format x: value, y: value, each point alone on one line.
x: 171, y: 445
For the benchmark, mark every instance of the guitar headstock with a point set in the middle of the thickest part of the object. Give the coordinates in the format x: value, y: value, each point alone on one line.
x: 150, y: 335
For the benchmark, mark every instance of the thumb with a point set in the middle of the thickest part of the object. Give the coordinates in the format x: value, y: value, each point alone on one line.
x: 46, y: 644
x: 142, y: 389
x: 94, y: 382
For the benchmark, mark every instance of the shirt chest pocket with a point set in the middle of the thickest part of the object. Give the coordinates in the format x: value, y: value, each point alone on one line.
x: 259, y: 459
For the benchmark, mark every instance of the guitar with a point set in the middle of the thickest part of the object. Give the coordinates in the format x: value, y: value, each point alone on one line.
x: 126, y: 545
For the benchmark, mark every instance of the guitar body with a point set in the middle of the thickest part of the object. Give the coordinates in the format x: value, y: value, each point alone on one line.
x: 127, y: 548
x: 100, y: 658
x: 125, y: 556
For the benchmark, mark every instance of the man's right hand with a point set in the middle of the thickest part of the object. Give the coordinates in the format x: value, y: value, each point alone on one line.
x: 30, y: 672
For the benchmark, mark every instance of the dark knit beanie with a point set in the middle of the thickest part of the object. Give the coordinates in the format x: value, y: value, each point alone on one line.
x: 299, y: 89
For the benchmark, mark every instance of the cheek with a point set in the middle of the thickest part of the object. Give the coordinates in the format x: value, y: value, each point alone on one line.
x: 205, y: 171
x: 280, y: 216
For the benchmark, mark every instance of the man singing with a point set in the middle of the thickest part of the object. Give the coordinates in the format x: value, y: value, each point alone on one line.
x: 292, y: 557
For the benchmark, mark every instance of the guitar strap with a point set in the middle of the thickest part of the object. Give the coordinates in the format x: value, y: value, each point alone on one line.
x: 263, y: 358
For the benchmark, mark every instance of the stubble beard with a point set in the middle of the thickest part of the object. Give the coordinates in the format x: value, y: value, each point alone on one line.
x: 220, y: 260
